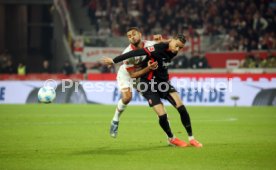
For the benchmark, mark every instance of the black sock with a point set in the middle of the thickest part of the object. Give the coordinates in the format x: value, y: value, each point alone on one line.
x: 185, y: 119
x: 164, y: 123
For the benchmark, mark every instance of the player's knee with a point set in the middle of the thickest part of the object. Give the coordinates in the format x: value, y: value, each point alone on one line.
x: 178, y: 103
x: 159, y: 109
x: 127, y: 98
x: 163, y: 117
x: 175, y: 100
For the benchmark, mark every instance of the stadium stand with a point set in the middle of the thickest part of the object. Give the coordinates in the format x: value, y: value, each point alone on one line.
x: 245, y: 25
x: 222, y: 34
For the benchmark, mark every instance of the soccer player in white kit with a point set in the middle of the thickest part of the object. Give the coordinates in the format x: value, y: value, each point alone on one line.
x: 129, y: 71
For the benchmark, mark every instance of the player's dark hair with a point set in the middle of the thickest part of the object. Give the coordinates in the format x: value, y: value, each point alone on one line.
x: 133, y: 28
x: 181, y: 37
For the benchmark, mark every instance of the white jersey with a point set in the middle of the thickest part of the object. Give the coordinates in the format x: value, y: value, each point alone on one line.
x: 123, y: 78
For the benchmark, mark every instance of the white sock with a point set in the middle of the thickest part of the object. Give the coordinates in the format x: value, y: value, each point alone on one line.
x: 171, y: 138
x: 191, y: 138
x: 119, y: 110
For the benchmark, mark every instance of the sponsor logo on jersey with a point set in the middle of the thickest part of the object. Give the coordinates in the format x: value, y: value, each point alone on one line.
x: 151, y: 48
x: 166, y: 64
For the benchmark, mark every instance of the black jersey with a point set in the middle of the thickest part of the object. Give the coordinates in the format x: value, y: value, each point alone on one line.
x: 158, y: 52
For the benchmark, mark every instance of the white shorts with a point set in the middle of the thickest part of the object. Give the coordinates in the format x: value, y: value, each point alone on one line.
x: 123, y: 78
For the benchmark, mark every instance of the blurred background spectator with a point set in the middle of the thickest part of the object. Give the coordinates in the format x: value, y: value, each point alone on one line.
x: 46, y: 67
x: 9, y: 68
x: 21, y: 69
x: 180, y: 62
x: 194, y: 60
x: 6, y: 64
x: 67, y: 68
x: 81, y: 68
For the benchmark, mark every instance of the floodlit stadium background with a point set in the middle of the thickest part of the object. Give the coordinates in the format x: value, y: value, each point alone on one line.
x: 228, y: 41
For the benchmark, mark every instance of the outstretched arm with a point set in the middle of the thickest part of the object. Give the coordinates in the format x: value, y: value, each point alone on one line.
x: 110, y: 61
x: 130, y: 54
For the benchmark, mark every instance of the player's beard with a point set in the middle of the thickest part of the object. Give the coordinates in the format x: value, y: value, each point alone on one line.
x: 136, y: 44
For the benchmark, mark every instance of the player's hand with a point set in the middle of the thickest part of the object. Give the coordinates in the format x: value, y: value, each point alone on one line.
x: 152, y: 65
x: 157, y: 37
x: 107, y: 61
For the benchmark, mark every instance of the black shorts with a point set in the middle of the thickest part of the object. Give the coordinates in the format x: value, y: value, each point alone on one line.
x: 160, y: 90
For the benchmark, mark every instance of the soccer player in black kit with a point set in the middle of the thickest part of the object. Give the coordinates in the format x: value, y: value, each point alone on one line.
x: 155, y: 85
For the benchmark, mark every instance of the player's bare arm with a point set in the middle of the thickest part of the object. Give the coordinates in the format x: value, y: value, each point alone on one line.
x: 110, y: 61
x: 133, y: 74
x: 107, y: 61
x: 151, y: 66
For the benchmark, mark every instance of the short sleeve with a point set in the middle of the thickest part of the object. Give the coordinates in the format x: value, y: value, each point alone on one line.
x: 129, y: 65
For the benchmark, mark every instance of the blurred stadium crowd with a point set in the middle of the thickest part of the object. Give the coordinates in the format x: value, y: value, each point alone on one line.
x: 198, y: 61
x: 254, y: 61
x: 246, y: 24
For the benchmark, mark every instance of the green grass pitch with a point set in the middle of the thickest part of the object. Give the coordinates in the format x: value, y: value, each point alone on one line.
x: 77, y: 137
